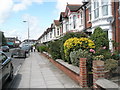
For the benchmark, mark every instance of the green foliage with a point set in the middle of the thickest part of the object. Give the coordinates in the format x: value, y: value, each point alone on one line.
x: 100, y: 38
x: 115, y: 55
x: 67, y: 36
x: 107, y: 54
x: 54, y: 49
x: 99, y: 57
x: 76, y: 55
x: 73, y: 44
x: 111, y: 64
x: 43, y: 48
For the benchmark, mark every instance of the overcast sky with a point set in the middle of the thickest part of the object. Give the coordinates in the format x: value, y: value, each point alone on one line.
x: 39, y: 13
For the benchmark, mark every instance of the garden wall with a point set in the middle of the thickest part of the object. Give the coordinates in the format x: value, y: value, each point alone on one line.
x: 81, y: 77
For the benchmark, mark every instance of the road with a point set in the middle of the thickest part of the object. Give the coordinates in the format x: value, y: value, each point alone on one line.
x: 17, y: 62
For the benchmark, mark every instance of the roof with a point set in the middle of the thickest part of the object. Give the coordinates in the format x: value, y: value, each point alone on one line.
x: 73, y: 7
x: 63, y: 14
x: 57, y: 23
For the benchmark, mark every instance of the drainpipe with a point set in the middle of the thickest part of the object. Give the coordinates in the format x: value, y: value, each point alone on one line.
x: 85, y: 17
x: 115, y: 20
x: 84, y: 7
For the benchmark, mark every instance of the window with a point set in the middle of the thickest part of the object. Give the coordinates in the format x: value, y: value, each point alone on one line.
x: 119, y: 4
x: 54, y: 33
x: 50, y: 34
x: 66, y: 27
x: 57, y: 31
x: 105, y: 7
x: 74, y: 21
x: 81, y: 18
x: 90, y: 13
x: 46, y: 36
x: 96, y: 9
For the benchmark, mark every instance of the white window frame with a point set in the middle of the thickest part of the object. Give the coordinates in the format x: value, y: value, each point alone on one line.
x: 119, y: 7
x: 70, y: 22
x: 96, y: 9
x: 90, y: 14
x: 74, y: 21
x: 66, y: 27
x: 50, y: 34
x: 104, y: 4
x: 46, y: 37
x: 58, y: 31
x: 54, y: 32
x: 81, y: 18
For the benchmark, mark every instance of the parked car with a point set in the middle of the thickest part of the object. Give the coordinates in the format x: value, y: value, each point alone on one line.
x: 26, y: 48
x: 6, y: 69
x: 18, y: 52
x: 5, y: 48
x: 21, y: 51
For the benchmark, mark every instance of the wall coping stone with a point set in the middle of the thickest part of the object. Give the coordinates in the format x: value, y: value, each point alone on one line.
x: 104, y: 83
x: 69, y: 66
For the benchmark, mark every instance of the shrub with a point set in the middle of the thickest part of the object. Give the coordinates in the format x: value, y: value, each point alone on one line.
x: 115, y: 55
x: 67, y: 36
x: 74, y: 44
x: 43, y: 48
x: 54, y: 49
x: 100, y: 38
x: 111, y: 64
x: 99, y: 57
x: 76, y: 55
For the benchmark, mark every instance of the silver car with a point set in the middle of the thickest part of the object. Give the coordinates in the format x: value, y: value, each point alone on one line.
x: 6, y: 69
x: 18, y: 52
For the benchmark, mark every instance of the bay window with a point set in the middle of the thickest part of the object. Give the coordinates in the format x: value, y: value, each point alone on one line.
x: 104, y: 7
x: 96, y: 9
x: 57, y: 31
x: 74, y: 21
x: 50, y: 34
x: 66, y: 27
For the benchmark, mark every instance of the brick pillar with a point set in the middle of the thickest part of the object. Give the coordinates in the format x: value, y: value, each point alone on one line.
x: 98, y: 71
x: 83, y: 72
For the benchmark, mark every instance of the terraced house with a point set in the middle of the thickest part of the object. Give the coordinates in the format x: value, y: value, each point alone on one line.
x: 85, y: 18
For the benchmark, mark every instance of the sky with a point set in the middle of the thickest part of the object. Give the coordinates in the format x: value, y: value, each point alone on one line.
x: 39, y: 15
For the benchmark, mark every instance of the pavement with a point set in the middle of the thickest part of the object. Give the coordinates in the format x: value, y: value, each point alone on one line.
x: 38, y: 72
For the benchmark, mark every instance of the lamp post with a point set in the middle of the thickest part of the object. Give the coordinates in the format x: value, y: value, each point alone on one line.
x: 28, y: 30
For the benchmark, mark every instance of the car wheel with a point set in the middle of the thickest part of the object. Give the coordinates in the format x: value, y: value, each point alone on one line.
x: 11, y: 74
x: 25, y: 55
x: 12, y: 56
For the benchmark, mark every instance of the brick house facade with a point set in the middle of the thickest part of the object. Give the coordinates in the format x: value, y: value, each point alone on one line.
x: 88, y: 16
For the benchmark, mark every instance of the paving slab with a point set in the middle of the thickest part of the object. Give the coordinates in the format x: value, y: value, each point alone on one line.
x: 38, y: 72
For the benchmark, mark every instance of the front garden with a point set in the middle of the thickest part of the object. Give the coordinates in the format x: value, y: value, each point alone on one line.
x: 73, y: 46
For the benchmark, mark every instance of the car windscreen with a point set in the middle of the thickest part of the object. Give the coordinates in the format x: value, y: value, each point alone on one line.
x: 5, y: 47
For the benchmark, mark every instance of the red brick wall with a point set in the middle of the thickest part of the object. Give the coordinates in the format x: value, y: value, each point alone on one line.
x: 98, y: 71
x: 83, y: 72
x: 116, y: 23
x: 88, y: 24
x: 81, y: 78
